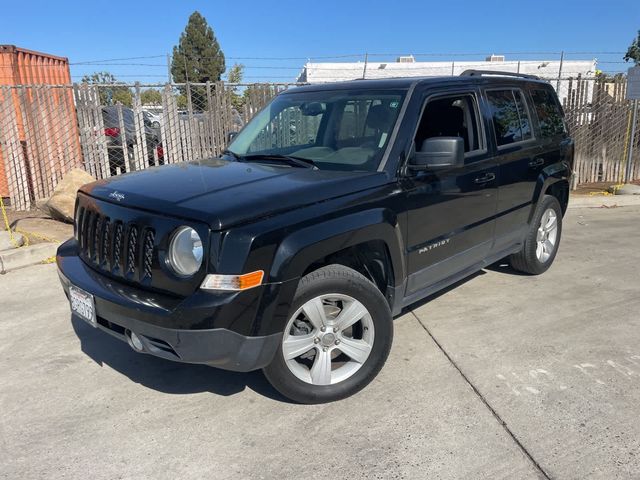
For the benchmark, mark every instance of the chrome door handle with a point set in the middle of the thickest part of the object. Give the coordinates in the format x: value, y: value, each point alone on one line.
x: 485, y: 178
x: 537, y: 162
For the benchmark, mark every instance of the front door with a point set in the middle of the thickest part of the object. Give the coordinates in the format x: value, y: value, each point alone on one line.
x: 450, y: 212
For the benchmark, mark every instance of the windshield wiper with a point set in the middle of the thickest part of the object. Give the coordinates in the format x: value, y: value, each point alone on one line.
x: 234, y: 155
x: 297, y: 161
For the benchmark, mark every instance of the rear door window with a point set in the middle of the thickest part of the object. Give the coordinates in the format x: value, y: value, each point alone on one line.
x: 548, y: 112
x: 511, y: 121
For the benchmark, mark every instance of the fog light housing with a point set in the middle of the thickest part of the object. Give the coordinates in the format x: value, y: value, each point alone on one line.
x: 136, y: 342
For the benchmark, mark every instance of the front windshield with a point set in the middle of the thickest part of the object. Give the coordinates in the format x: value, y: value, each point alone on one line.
x: 337, y: 130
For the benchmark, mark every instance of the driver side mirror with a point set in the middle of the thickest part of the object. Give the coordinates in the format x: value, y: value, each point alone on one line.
x: 438, y: 153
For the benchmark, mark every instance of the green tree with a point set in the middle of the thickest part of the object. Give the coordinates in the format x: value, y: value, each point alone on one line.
x: 606, y: 77
x: 197, y: 57
x: 110, y: 93
x: 235, y: 76
x: 151, y: 97
x: 236, y: 73
x: 181, y: 101
x: 633, y: 52
x: 100, y: 77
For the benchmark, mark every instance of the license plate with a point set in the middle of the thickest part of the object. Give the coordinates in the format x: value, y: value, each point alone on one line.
x: 82, y: 305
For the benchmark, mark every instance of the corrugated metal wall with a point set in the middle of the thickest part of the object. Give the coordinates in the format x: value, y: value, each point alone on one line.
x: 26, y: 67
x: 19, y: 66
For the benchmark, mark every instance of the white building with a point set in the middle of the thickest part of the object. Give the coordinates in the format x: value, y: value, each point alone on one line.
x: 313, y: 72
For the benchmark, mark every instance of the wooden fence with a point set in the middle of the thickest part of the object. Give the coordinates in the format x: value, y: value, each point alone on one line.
x: 197, y: 129
x: 599, y: 119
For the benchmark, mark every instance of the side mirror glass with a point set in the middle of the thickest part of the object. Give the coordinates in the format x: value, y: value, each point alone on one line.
x: 438, y: 153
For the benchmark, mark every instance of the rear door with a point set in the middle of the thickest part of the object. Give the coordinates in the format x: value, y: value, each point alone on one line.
x: 450, y: 212
x: 517, y: 154
x: 555, y: 145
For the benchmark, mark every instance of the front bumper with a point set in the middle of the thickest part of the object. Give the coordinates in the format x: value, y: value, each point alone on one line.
x: 122, y: 309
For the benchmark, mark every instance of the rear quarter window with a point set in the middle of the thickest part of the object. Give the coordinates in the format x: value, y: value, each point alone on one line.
x: 548, y: 113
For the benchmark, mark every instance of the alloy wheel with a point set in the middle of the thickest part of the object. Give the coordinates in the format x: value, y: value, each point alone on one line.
x: 328, y: 339
x: 547, y: 235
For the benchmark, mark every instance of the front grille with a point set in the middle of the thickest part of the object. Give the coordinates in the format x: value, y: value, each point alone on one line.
x: 105, y: 252
x: 149, y: 240
x: 113, y: 245
x: 132, y: 247
x: 129, y: 245
x: 117, y: 245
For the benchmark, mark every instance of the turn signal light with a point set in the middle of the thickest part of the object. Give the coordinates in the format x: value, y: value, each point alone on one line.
x: 233, y: 282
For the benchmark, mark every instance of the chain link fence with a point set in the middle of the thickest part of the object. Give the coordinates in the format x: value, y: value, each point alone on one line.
x: 46, y: 130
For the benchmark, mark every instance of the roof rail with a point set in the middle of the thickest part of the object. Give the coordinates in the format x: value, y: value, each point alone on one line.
x: 473, y: 73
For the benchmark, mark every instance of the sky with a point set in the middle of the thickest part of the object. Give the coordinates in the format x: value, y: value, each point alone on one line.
x: 273, y: 39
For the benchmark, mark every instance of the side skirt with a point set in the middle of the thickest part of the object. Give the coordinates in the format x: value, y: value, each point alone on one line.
x: 456, y: 277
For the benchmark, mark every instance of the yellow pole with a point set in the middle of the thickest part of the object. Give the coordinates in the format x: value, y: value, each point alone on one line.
x: 626, y: 148
x: 6, y: 224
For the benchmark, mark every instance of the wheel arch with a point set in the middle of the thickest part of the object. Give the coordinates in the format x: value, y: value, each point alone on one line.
x: 375, y: 230
x: 560, y: 190
x: 370, y: 258
x: 553, y: 180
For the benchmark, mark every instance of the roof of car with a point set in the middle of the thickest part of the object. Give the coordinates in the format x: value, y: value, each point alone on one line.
x: 407, y: 82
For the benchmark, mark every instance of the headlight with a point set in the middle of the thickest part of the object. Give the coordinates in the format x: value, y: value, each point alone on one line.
x: 185, y: 251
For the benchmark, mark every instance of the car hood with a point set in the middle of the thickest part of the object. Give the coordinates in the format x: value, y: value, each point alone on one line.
x: 224, y: 193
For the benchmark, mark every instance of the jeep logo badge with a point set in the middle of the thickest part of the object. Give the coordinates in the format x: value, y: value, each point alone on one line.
x: 117, y: 195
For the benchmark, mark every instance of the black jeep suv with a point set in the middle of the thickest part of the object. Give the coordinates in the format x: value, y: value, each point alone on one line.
x: 334, y: 208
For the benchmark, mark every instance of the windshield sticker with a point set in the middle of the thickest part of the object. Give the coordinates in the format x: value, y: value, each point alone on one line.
x: 383, y: 138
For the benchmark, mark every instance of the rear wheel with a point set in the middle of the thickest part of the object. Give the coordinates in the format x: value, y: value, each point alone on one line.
x: 542, y: 241
x: 336, y: 340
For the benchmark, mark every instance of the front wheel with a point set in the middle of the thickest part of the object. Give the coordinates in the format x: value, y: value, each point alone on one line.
x: 542, y: 241
x: 336, y: 340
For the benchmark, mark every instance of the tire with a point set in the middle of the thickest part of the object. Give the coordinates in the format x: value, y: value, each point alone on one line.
x: 529, y: 259
x: 334, y: 289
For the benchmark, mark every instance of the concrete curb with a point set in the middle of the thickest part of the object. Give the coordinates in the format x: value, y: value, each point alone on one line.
x: 25, y: 256
x: 597, y: 201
